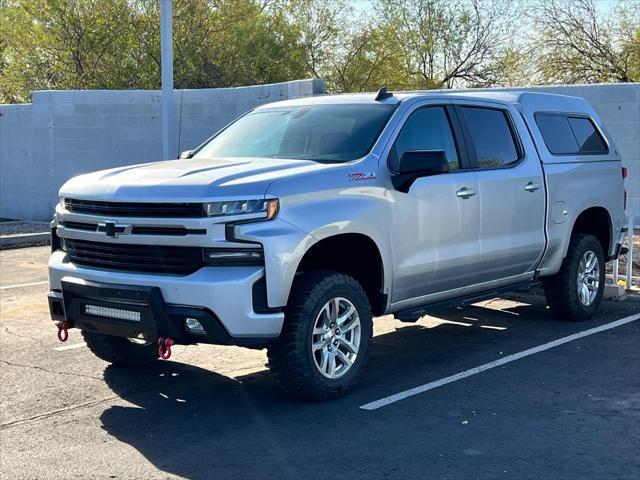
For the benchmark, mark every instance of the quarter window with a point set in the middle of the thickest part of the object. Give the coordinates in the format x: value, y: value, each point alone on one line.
x: 567, y: 135
x: 491, y: 135
x: 426, y: 129
x: 589, y: 140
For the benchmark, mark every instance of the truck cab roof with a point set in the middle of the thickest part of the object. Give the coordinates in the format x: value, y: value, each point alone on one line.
x: 523, y: 100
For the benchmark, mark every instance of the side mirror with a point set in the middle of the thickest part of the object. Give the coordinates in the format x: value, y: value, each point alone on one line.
x: 185, y: 154
x: 419, y: 163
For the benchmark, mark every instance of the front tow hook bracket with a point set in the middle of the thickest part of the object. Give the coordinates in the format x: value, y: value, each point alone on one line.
x: 164, y: 347
x: 63, y: 331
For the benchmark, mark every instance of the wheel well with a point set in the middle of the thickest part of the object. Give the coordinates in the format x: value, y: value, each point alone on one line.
x: 353, y: 254
x: 595, y: 221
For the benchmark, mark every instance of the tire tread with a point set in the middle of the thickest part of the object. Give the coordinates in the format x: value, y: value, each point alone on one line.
x: 286, y: 357
x: 560, y: 290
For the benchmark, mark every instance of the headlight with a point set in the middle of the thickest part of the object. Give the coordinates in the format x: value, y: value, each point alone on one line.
x: 269, y: 208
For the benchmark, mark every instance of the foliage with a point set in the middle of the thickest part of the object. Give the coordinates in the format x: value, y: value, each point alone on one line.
x: 404, y: 44
x: 578, y: 45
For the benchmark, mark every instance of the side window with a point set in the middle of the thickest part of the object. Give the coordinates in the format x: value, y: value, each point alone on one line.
x: 567, y: 135
x: 426, y: 129
x: 557, y: 134
x: 588, y: 138
x: 491, y: 135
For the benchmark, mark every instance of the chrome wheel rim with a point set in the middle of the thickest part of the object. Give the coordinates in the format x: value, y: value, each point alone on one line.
x: 588, y: 280
x: 335, y: 340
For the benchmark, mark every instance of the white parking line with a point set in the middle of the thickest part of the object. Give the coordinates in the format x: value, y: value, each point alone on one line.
x: 70, y: 347
x: 20, y: 285
x: 496, y: 363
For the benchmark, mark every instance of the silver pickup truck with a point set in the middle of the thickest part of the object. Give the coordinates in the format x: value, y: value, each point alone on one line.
x: 295, y: 225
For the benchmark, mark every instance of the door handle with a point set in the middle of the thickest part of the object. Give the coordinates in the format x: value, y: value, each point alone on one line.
x: 531, y: 187
x: 465, y: 192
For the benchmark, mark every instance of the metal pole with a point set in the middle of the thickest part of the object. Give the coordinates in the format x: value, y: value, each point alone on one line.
x: 166, y: 54
x: 630, y: 253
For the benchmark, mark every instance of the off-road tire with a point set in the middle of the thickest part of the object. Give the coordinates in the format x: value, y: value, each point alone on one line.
x: 561, y: 289
x: 291, y: 360
x: 120, y: 351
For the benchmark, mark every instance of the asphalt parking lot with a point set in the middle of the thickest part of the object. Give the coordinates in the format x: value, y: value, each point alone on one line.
x: 567, y: 412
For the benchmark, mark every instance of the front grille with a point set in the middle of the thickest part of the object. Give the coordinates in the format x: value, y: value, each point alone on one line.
x: 137, y: 209
x: 135, y: 258
x: 137, y: 230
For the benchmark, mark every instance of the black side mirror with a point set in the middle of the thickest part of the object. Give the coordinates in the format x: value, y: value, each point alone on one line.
x: 416, y: 164
x: 185, y: 154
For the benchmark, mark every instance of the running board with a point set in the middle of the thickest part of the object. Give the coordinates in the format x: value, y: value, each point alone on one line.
x: 413, y: 314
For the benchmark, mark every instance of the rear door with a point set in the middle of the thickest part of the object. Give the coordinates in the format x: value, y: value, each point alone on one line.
x: 510, y: 189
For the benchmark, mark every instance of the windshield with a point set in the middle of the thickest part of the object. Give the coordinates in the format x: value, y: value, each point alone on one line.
x: 324, y: 133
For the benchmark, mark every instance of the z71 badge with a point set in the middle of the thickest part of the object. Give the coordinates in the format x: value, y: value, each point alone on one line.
x: 358, y: 177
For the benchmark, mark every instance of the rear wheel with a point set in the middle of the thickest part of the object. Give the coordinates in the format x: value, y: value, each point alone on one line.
x: 325, y: 341
x: 575, y: 292
x: 120, y: 351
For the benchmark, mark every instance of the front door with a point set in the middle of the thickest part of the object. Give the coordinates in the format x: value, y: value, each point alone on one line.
x: 435, y: 230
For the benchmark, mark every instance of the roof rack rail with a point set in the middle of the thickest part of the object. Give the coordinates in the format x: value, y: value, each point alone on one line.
x: 382, y: 94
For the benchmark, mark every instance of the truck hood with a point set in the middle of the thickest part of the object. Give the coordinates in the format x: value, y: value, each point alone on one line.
x: 188, y: 180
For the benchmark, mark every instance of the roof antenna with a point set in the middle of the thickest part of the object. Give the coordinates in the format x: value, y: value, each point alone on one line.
x: 382, y: 94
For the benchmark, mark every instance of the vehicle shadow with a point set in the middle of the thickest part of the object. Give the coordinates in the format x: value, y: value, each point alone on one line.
x: 196, y: 423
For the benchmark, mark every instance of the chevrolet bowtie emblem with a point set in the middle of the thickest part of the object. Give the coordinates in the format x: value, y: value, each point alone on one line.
x: 113, y: 230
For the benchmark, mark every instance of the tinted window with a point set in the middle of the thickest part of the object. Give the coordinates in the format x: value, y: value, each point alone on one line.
x: 588, y: 138
x: 325, y: 133
x: 491, y: 136
x: 426, y: 129
x: 557, y: 134
x: 565, y: 135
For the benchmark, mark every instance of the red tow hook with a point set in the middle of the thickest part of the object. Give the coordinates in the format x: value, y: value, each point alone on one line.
x: 164, y: 347
x: 63, y: 333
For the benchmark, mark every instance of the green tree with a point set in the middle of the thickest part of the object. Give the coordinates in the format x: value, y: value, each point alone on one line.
x: 81, y: 44
x: 322, y: 27
x: 578, y: 44
x: 447, y: 43
x: 367, y: 60
x: 62, y: 44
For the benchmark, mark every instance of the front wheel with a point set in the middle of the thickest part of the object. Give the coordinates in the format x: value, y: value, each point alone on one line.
x: 325, y: 340
x: 575, y: 292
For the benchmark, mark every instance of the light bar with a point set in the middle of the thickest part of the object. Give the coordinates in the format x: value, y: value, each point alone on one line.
x: 112, y: 313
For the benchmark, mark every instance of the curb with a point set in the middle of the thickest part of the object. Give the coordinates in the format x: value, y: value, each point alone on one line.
x: 24, y: 240
x: 616, y: 293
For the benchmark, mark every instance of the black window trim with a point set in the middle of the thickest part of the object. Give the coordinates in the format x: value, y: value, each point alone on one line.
x: 568, y: 115
x: 456, y: 131
x: 471, y: 147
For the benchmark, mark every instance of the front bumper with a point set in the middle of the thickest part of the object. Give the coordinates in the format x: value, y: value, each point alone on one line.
x: 224, y: 294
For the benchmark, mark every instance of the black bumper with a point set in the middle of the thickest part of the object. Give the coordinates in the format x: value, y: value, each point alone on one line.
x: 155, y: 319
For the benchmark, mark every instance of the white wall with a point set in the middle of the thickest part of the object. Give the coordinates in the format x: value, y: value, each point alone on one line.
x: 66, y: 133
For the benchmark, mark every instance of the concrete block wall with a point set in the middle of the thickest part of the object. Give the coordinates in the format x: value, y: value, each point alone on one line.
x: 67, y: 133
